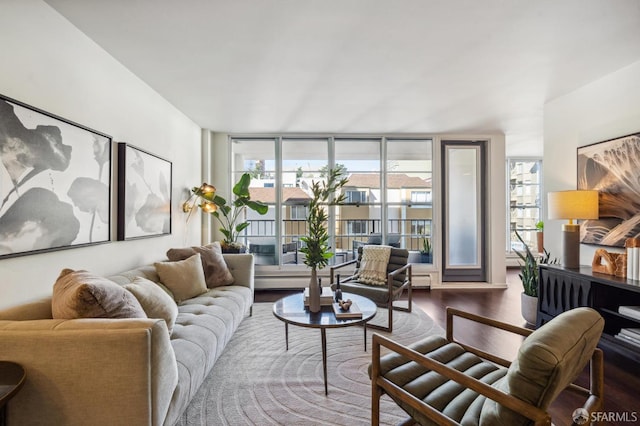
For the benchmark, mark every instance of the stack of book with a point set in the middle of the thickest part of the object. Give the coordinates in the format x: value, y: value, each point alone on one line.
x: 630, y: 311
x: 629, y: 335
x: 326, y: 298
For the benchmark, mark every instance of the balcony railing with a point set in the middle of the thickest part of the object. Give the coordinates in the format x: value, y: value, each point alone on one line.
x: 399, y: 234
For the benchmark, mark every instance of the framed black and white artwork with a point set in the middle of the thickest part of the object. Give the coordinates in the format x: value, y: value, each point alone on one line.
x: 612, y: 168
x: 55, y: 182
x: 144, y: 194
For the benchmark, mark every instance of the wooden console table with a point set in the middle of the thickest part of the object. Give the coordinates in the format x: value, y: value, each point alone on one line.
x: 561, y: 289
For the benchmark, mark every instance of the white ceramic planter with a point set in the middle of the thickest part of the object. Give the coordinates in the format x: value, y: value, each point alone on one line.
x: 529, y: 306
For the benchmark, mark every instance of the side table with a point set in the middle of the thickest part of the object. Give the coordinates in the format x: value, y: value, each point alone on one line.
x: 12, y: 377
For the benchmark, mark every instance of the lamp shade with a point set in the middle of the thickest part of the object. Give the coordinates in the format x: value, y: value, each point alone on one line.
x: 576, y: 204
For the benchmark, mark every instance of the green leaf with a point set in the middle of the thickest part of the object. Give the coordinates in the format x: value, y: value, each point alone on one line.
x: 242, y: 227
x: 241, y: 188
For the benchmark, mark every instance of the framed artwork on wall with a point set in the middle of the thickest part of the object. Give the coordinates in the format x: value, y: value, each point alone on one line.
x: 612, y: 168
x: 144, y: 194
x: 55, y: 182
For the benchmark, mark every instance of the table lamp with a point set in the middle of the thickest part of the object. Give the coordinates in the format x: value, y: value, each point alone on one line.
x: 572, y: 205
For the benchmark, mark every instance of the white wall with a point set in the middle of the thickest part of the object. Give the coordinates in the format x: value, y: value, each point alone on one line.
x: 49, y: 64
x: 604, y: 109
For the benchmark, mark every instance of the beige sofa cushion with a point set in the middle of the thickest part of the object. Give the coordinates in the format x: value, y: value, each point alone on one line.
x: 81, y: 294
x: 216, y: 272
x: 185, y: 278
x: 154, y: 300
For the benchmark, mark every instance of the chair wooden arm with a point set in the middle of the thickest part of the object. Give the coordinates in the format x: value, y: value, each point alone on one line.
x: 539, y: 416
x: 402, y: 269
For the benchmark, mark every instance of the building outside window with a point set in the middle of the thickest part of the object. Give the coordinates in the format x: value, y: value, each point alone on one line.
x: 356, y: 197
x: 387, y: 198
x: 420, y: 197
x: 357, y: 227
x: 299, y: 212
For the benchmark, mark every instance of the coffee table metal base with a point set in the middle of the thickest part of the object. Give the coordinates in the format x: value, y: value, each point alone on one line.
x: 288, y: 310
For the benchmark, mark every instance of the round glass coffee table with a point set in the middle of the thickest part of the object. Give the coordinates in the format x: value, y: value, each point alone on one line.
x: 291, y: 310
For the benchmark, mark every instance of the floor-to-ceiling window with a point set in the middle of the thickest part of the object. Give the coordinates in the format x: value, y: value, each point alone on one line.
x: 524, y: 209
x: 388, y: 195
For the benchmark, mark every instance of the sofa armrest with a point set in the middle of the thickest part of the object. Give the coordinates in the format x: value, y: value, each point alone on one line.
x: 242, y: 269
x: 106, y: 371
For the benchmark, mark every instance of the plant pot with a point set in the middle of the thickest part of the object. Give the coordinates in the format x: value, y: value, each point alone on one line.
x: 529, y: 308
x: 426, y: 258
x: 314, y: 292
x: 540, y: 237
x: 234, y: 250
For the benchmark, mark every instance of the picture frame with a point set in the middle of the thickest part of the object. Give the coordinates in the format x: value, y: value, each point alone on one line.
x: 144, y: 194
x: 612, y: 167
x: 55, y: 182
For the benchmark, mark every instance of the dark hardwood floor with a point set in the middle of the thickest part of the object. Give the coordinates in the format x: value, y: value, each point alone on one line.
x: 622, y: 378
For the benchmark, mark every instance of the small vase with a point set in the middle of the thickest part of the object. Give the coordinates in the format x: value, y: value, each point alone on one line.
x: 314, y: 292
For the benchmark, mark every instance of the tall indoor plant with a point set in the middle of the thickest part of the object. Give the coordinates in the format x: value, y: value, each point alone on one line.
x: 316, y: 248
x: 529, y: 277
x: 230, y: 215
x: 426, y: 251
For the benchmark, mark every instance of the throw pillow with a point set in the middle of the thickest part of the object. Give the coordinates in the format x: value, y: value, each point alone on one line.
x: 373, y: 266
x: 154, y: 300
x: 216, y: 272
x: 184, y: 278
x: 80, y: 294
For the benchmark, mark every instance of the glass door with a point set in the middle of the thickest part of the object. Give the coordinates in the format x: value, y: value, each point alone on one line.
x: 463, y: 179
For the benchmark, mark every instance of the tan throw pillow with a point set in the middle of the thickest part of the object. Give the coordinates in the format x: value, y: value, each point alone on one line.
x: 216, y: 272
x: 184, y: 278
x: 80, y: 294
x: 154, y: 300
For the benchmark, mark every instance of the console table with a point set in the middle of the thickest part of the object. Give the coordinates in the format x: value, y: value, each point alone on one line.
x: 561, y: 289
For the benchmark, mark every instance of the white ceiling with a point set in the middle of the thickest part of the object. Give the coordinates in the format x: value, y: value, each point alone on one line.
x: 365, y: 66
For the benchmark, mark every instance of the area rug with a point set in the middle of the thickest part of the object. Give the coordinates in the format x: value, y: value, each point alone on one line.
x: 256, y: 381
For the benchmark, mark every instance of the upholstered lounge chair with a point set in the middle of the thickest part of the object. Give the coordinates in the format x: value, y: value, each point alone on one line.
x: 398, y: 280
x: 439, y: 381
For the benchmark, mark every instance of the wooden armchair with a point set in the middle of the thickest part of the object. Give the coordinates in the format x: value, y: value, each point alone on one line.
x: 397, y: 281
x: 439, y: 381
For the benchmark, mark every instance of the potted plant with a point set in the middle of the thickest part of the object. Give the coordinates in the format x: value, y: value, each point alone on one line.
x: 316, y: 245
x: 540, y: 235
x: 529, y: 277
x: 426, y: 254
x: 230, y: 216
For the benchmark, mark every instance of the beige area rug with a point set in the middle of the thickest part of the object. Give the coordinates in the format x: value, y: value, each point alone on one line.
x: 257, y: 382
